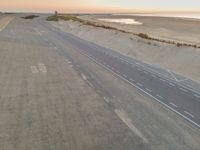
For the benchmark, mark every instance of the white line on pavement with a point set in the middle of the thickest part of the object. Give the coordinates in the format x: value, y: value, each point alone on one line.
x: 163, y: 80
x: 124, y: 117
x: 173, y: 104
x: 166, y: 106
x: 159, y: 96
x: 139, y: 84
x: 172, y: 84
x: 189, y: 114
x: 148, y: 90
x: 182, y: 89
x: 198, y: 96
x: 172, y: 75
x: 124, y: 75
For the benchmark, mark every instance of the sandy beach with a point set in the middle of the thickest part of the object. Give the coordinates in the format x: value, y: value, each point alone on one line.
x: 176, y: 29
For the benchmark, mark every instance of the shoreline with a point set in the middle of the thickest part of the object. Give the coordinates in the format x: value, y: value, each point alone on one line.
x: 176, y: 31
x: 164, y: 15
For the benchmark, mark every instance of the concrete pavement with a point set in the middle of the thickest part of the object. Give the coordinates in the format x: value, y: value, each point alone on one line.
x: 53, y: 96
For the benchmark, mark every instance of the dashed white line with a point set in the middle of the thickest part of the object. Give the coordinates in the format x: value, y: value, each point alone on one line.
x: 124, y: 75
x: 173, y: 105
x: 139, y: 84
x: 148, y: 90
x: 155, y: 98
x: 83, y: 76
x: 172, y: 84
x: 163, y: 80
x: 198, y: 96
x: 159, y: 96
x: 189, y: 114
x: 153, y: 75
x: 184, y: 90
x: 131, y: 79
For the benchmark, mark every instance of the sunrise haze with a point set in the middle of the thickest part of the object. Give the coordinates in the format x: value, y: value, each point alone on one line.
x: 101, y: 6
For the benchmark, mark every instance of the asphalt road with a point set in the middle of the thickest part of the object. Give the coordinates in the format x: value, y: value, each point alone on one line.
x: 181, y: 100
x: 58, y: 92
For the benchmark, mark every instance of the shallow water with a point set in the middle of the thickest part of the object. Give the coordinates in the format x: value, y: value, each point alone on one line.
x: 177, y: 15
x: 122, y: 21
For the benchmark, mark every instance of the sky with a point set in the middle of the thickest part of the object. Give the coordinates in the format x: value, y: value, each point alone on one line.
x: 100, y: 6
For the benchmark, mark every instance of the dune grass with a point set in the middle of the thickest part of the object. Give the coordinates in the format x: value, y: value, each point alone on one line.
x: 68, y: 17
x: 30, y: 17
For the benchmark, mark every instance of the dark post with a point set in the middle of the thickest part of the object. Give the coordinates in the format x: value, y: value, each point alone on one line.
x: 56, y: 13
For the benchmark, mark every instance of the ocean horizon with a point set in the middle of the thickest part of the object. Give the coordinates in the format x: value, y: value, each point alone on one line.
x: 176, y: 15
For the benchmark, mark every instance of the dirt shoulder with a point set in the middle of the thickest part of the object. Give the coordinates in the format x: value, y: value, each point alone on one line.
x: 4, y: 21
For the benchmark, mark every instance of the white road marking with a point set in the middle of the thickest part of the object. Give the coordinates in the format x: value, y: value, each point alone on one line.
x: 172, y: 75
x: 42, y: 68
x: 172, y: 84
x: 106, y: 99
x: 90, y: 84
x: 148, y: 90
x: 38, y: 32
x: 159, y: 96
x: 131, y: 79
x: 117, y: 71
x: 145, y: 72
x: 139, y: 84
x: 198, y: 96
x: 123, y: 116
x: 83, y: 76
x: 189, y: 114
x: 124, y: 75
x: 166, y: 106
x: 182, y: 89
x: 173, y: 105
x: 55, y: 47
x: 34, y: 69
x: 153, y: 75
x: 163, y: 80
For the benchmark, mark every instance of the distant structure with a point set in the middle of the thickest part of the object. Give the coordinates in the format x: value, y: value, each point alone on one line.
x: 56, y: 13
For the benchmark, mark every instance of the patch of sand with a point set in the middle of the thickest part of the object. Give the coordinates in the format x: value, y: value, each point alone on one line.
x: 4, y: 21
